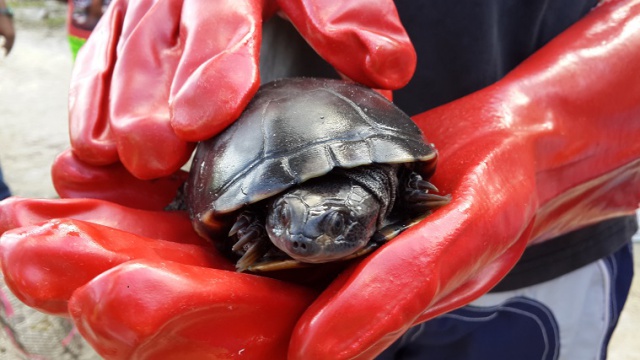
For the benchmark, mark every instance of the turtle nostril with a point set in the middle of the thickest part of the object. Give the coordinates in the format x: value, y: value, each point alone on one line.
x: 299, y: 245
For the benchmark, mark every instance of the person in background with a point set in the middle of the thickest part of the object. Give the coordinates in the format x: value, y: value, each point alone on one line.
x: 7, y: 30
x: 83, y: 15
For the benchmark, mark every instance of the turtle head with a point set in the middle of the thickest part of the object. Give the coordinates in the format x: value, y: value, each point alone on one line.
x: 322, y: 221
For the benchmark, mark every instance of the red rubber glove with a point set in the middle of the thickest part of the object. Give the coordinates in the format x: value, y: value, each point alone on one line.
x: 156, y: 76
x: 73, y: 178
x: 142, y: 284
x: 550, y: 148
x: 164, y: 310
x: 17, y: 212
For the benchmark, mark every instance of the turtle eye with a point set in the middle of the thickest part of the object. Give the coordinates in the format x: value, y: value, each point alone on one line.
x: 284, y: 214
x: 334, y: 223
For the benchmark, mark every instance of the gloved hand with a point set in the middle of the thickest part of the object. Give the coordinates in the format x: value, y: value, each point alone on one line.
x: 139, y: 284
x: 156, y: 76
x: 132, y: 278
x: 550, y: 148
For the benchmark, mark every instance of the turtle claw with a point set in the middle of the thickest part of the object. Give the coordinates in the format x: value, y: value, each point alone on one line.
x: 421, y: 197
x: 242, y: 222
x: 440, y: 201
x: 417, y: 193
x: 252, y: 234
x: 418, y: 183
x: 253, y: 242
x: 252, y: 255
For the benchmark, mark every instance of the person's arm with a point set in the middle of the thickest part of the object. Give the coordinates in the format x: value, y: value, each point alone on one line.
x: 7, y: 30
x: 550, y: 148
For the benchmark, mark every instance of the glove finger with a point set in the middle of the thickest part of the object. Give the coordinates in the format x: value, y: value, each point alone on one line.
x: 73, y: 178
x: 44, y: 264
x: 149, y: 310
x: 170, y: 226
x: 147, y: 56
x: 89, y: 129
x: 363, y: 39
x: 218, y: 72
x: 394, y: 286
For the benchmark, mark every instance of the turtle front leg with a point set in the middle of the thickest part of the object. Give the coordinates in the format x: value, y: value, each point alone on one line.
x: 253, y: 241
x: 416, y: 193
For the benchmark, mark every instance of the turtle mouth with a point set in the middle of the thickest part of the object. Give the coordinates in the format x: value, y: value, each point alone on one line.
x: 319, y: 250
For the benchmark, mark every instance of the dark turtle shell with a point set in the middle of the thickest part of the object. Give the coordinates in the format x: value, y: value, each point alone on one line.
x: 294, y: 130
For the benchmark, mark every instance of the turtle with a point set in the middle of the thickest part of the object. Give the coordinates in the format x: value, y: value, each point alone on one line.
x: 313, y: 171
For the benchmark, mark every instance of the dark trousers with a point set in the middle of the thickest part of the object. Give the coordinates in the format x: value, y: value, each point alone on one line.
x: 4, y: 189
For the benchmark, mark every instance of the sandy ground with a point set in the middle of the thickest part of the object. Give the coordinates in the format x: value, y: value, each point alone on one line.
x: 33, y: 97
x: 33, y: 129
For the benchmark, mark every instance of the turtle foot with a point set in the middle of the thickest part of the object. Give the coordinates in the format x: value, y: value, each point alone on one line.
x: 253, y: 241
x: 417, y: 193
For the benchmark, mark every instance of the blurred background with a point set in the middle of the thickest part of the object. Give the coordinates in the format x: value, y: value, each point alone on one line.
x: 33, y: 129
